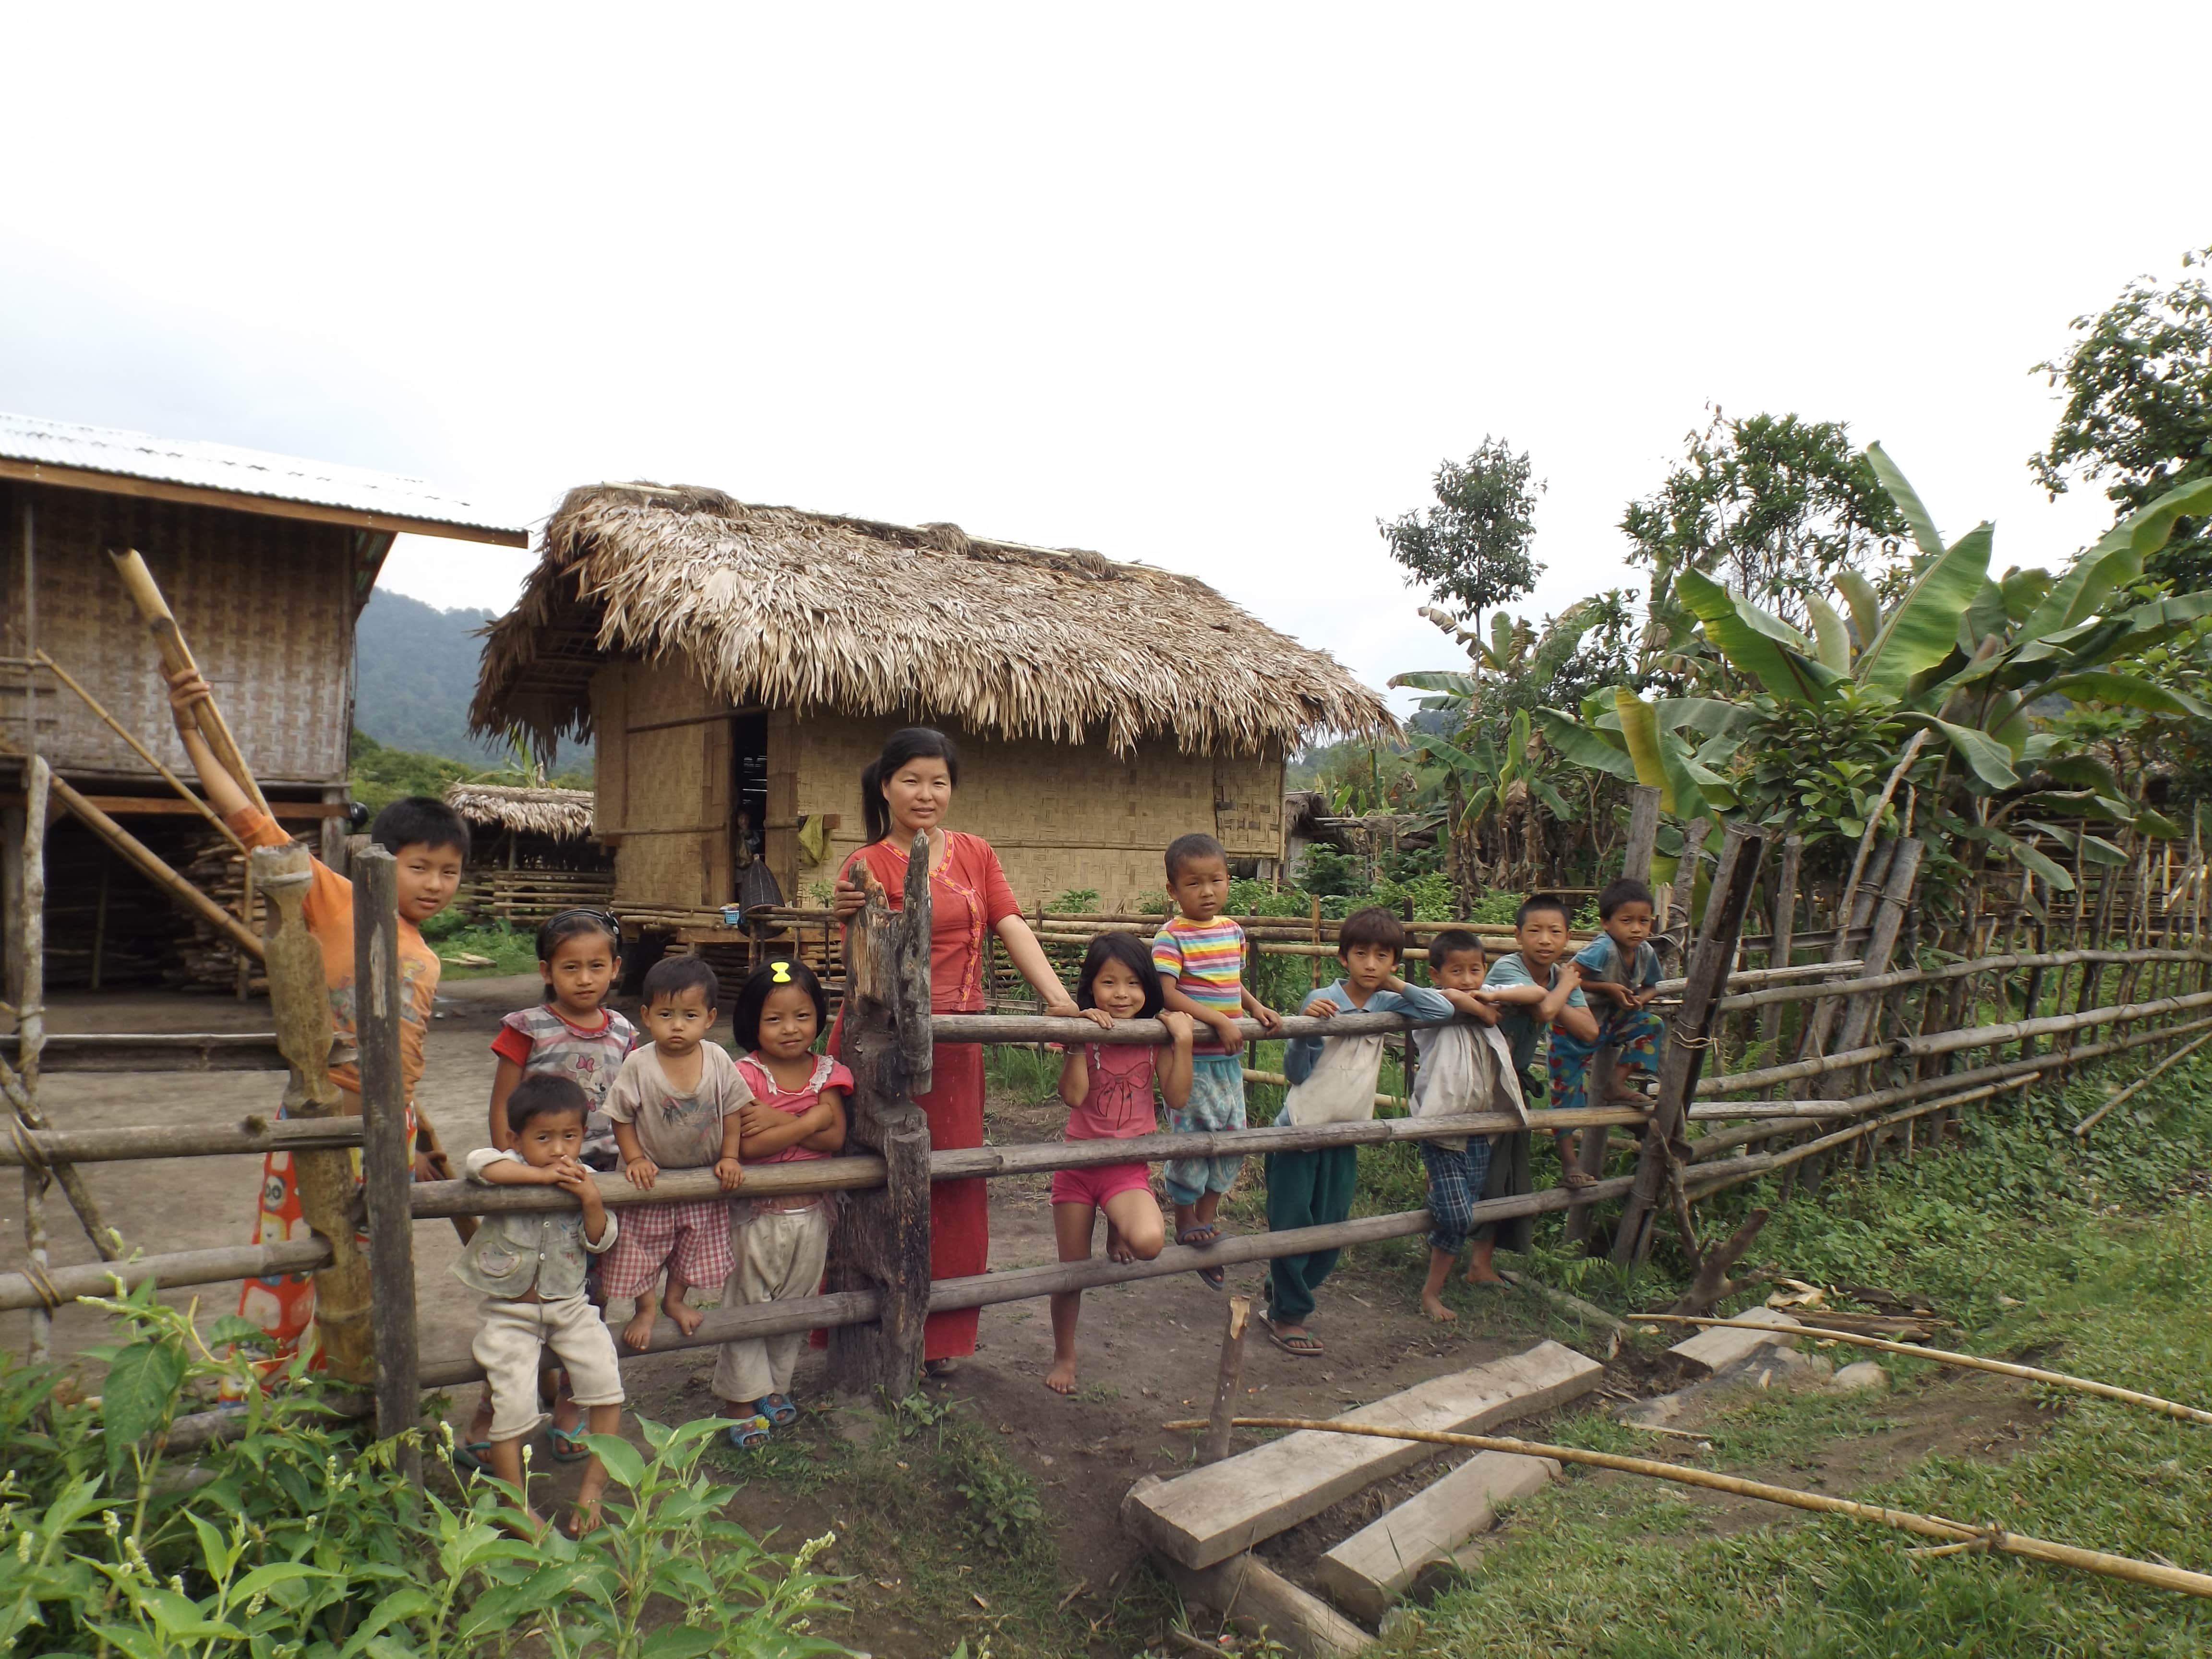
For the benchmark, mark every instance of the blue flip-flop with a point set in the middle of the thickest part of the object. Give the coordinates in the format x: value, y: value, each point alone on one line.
x: 748, y: 1433
x: 778, y: 1409
x: 568, y: 1445
x: 474, y: 1456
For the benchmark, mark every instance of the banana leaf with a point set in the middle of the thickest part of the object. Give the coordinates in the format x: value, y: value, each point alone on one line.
x: 1829, y: 636
x: 2091, y: 849
x: 2152, y: 822
x: 1581, y: 745
x: 2056, y: 875
x: 1908, y: 502
x: 2023, y: 591
x: 1866, y: 608
x: 1923, y: 628
x: 1444, y: 680
x: 1987, y: 759
x: 2124, y: 691
x: 1708, y: 716
x: 1984, y: 616
x: 1771, y: 651
x: 2085, y: 771
x: 1640, y: 729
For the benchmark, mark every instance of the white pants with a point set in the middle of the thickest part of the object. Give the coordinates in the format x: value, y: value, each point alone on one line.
x: 509, y: 1336
x: 779, y: 1256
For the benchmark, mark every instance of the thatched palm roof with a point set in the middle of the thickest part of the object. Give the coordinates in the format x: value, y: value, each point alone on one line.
x: 563, y: 813
x: 784, y: 609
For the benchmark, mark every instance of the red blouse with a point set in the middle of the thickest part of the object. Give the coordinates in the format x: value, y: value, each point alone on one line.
x: 967, y: 894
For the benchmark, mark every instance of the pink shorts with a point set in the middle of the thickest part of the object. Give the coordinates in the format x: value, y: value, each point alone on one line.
x: 1101, y: 1182
x: 691, y: 1237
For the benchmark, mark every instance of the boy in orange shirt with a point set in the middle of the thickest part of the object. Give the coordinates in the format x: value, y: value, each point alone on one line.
x: 430, y: 843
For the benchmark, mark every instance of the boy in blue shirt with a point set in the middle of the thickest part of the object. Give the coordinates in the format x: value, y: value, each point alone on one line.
x: 1537, y: 991
x: 1332, y: 1081
x: 1619, y: 970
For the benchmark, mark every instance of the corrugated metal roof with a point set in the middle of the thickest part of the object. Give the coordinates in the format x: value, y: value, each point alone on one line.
x: 253, y: 473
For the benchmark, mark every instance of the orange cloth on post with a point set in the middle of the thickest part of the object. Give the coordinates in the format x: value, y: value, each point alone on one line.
x: 283, y: 1306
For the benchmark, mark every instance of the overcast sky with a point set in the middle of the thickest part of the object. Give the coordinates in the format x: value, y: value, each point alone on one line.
x: 1209, y: 287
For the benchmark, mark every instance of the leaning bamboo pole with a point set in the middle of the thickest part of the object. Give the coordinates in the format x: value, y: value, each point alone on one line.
x: 176, y: 658
x: 1991, y: 1537
x: 142, y: 751
x: 1964, y: 1361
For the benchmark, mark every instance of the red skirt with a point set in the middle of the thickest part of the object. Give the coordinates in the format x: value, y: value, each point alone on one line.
x: 959, y: 1211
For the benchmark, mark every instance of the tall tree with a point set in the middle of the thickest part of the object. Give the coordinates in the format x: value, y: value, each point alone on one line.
x: 1472, y: 549
x: 2139, y: 410
x: 1774, y: 506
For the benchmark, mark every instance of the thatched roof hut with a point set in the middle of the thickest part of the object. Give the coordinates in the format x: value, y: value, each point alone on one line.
x: 1135, y: 697
x: 556, y: 814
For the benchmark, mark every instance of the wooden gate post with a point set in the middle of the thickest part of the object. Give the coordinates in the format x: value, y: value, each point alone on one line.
x: 1688, y: 1034
x: 882, y: 1240
x: 387, y: 1153
x: 300, y: 1002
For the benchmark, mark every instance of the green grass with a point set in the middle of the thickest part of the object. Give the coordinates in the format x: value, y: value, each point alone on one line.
x: 511, y: 950
x: 2095, y: 1260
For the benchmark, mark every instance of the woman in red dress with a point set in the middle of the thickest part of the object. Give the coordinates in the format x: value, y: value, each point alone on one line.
x: 906, y: 792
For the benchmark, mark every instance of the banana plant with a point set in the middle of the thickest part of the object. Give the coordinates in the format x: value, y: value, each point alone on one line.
x: 1515, y: 651
x: 1497, y: 783
x: 1963, y: 655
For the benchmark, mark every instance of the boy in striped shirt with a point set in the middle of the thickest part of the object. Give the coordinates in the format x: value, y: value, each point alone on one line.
x: 1199, y: 957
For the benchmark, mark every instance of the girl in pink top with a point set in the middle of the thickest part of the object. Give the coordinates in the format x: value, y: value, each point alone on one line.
x: 1108, y: 1091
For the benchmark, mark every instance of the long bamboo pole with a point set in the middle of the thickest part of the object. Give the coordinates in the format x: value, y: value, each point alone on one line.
x: 1927, y: 1525
x: 1965, y: 1361
x: 177, y: 656
x: 144, y: 752
x: 30, y: 996
x: 2136, y: 1087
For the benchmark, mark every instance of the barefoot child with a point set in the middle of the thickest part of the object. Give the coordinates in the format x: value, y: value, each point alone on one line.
x: 1463, y: 1068
x: 781, y: 1244
x: 1332, y: 1081
x: 1108, y: 1089
x: 1536, y: 992
x: 571, y: 1033
x: 530, y: 1269
x: 1619, y: 970
x: 675, y: 1107
x: 1199, y: 958
x: 430, y: 844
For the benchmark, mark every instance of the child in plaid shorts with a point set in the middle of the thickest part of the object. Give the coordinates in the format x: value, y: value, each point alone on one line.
x: 674, y: 1106
x: 1463, y: 1068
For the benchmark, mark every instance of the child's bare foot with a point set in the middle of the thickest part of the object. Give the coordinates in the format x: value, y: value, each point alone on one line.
x: 1481, y: 1273
x: 688, y: 1318
x: 1117, y: 1249
x: 637, y: 1334
x: 1060, y: 1379
x: 1432, y: 1305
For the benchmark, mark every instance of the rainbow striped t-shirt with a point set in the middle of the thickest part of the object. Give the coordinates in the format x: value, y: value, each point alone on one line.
x: 1208, y: 961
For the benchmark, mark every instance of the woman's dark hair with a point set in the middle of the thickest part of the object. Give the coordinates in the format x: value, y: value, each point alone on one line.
x: 542, y: 1093
x: 1131, y: 953
x: 908, y: 743
x: 1373, y: 925
x: 766, y: 979
x: 562, y: 925
x: 671, y: 976
x: 421, y: 821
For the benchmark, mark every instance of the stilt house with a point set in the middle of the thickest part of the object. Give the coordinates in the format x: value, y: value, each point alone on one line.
x: 735, y: 666
x: 265, y: 562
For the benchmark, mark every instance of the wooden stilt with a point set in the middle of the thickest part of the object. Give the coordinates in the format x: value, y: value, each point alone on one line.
x: 1231, y: 1374
x: 386, y: 1153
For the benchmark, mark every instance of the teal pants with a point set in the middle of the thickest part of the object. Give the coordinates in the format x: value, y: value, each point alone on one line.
x: 1305, y: 1189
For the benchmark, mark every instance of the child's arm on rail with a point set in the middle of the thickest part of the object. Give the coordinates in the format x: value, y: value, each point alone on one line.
x: 1557, y: 1008
x: 728, y: 1170
x: 638, y: 1169
x: 1172, y: 1064
x: 1222, y: 1025
x: 1074, y: 1075
x: 503, y: 1080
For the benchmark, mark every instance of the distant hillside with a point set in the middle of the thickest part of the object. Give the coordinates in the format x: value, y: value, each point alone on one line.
x: 418, y: 671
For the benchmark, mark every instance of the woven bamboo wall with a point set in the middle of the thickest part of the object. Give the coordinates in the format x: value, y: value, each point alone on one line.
x: 1061, y: 816
x: 665, y: 799
x: 267, y: 605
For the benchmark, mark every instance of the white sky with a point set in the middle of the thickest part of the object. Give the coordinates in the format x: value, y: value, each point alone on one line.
x: 1209, y: 287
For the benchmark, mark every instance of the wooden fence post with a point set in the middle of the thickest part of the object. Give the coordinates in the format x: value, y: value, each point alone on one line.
x: 1688, y: 1035
x: 387, y: 1151
x: 1783, y: 930
x: 882, y: 1240
x: 1642, y: 835
x: 1235, y: 1322
x: 300, y: 1000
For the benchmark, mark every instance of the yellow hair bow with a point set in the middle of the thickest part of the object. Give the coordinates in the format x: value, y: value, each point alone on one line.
x: 781, y: 975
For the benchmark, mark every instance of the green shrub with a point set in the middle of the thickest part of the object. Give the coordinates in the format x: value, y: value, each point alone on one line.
x: 292, y: 1539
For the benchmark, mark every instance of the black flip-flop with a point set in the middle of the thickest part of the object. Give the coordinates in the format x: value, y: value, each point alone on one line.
x: 1304, y: 1346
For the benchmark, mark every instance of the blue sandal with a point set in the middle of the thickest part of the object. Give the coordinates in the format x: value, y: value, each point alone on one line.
x: 747, y: 1433
x: 568, y: 1445
x: 778, y: 1409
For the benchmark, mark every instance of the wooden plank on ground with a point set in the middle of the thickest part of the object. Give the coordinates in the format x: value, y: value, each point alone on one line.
x: 1246, y: 1588
x: 1223, y: 1509
x: 1707, y: 1355
x: 1372, y: 1568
